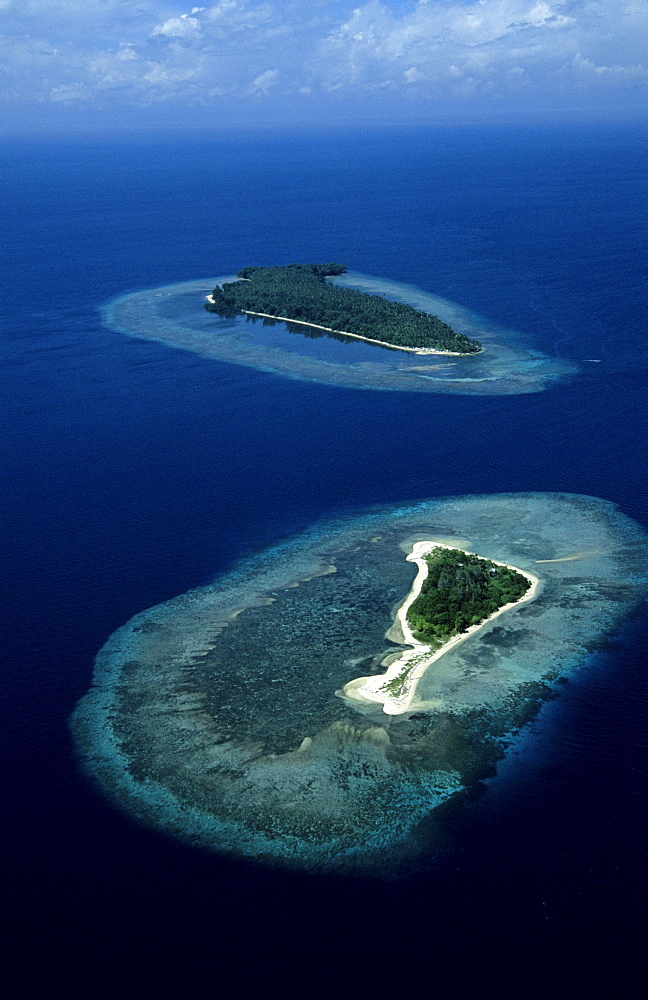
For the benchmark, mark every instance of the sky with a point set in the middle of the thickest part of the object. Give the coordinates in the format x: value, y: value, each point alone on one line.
x: 108, y: 63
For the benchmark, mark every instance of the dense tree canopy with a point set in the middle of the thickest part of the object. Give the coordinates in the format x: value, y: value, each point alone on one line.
x: 301, y: 292
x: 461, y: 590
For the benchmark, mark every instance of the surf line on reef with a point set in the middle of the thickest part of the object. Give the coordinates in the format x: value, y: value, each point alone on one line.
x: 413, y: 663
x: 356, y: 336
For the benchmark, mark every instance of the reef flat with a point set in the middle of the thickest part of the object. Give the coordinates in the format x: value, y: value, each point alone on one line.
x: 219, y: 717
x: 174, y: 315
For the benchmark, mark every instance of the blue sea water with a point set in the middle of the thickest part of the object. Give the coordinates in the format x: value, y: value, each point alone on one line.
x: 133, y: 472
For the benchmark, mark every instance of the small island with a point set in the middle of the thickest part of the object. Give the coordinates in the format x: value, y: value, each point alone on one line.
x: 300, y: 294
x: 213, y: 717
x: 455, y: 594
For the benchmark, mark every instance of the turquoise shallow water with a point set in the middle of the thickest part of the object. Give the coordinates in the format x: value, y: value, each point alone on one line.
x: 218, y: 715
x: 507, y: 364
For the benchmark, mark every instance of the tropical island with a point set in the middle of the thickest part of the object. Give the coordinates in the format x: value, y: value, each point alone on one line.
x: 213, y: 716
x: 300, y: 294
x: 454, y: 595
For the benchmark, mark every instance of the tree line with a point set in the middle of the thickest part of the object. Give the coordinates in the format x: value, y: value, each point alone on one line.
x: 461, y: 590
x: 300, y: 292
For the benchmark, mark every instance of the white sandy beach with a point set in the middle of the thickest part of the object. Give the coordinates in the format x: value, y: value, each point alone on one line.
x: 356, y: 336
x: 421, y: 656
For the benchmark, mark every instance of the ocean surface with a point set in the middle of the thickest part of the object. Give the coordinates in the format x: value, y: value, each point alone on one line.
x: 134, y: 471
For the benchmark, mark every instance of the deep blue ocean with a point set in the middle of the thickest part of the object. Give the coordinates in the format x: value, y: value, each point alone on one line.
x: 133, y: 471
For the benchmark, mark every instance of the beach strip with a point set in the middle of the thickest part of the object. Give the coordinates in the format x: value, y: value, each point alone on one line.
x: 356, y: 336
x: 421, y: 656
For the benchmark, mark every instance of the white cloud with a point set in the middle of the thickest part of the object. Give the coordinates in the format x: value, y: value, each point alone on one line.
x: 70, y: 92
x: 184, y: 26
x: 224, y: 9
x: 138, y: 52
x: 447, y: 47
x: 588, y: 68
x: 413, y: 75
x: 263, y: 82
x: 165, y: 76
x: 125, y: 53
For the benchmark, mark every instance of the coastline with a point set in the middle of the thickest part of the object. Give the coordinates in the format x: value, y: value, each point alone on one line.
x: 420, y: 656
x: 357, y: 336
x: 206, y: 748
x: 506, y: 366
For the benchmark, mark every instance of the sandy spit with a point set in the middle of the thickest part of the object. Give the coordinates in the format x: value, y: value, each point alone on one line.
x: 421, y: 656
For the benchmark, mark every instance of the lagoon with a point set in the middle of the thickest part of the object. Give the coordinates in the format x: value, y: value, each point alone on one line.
x: 173, y: 315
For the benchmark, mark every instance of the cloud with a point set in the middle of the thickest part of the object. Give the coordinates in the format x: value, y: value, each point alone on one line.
x: 449, y: 48
x: 125, y: 53
x: 586, y: 68
x: 262, y: 83
x: 70, y: 92
x: 184, y: 26
x: 413, y: 75
x: 136, y: 53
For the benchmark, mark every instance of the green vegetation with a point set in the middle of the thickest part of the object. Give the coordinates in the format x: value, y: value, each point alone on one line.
x: 396, y: 685
x: 301, y: 292
x: 461, y: 590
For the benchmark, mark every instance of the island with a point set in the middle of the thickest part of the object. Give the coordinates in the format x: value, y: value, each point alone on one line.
x: 174, y: 315
x: 300, y: 294
x: 455, y: 594
x: 219, y: 716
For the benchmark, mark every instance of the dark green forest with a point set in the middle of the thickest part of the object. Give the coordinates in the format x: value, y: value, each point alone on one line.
x: 461, y: 590
x: 301, y: 292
